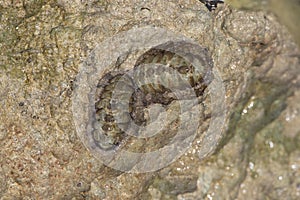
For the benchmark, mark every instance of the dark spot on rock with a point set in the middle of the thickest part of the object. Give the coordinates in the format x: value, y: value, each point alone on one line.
x: 79, y: 184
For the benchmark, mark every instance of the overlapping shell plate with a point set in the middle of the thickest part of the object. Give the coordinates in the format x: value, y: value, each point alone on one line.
x: 135, y: 102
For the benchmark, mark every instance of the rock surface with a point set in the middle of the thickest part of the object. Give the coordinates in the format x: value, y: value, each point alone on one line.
x: 41, y: 157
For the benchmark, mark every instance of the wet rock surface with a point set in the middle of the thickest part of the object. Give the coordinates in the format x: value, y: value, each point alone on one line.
x: 42, y: 45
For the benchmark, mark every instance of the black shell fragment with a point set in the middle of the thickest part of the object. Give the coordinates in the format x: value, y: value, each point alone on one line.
x: 211, y: 4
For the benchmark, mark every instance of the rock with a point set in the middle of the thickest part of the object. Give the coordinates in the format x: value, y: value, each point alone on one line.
x: 42, y: 47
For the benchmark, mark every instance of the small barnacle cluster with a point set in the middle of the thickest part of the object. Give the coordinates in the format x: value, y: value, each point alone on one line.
x: 211, y: 4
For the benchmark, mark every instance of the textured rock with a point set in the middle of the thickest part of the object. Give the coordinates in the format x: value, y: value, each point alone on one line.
x: 41, y: 157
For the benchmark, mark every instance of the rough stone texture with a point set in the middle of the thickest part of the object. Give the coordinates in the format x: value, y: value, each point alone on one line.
x: 42, y: 44
x: 287, y: 12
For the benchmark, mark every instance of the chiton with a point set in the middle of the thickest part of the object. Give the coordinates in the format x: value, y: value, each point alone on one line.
x: 163, y: 75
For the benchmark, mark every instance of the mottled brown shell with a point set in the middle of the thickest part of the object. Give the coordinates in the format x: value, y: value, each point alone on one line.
x: 144, y: 95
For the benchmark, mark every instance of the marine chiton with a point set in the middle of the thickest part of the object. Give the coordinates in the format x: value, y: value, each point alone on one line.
x: 145, y: 115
